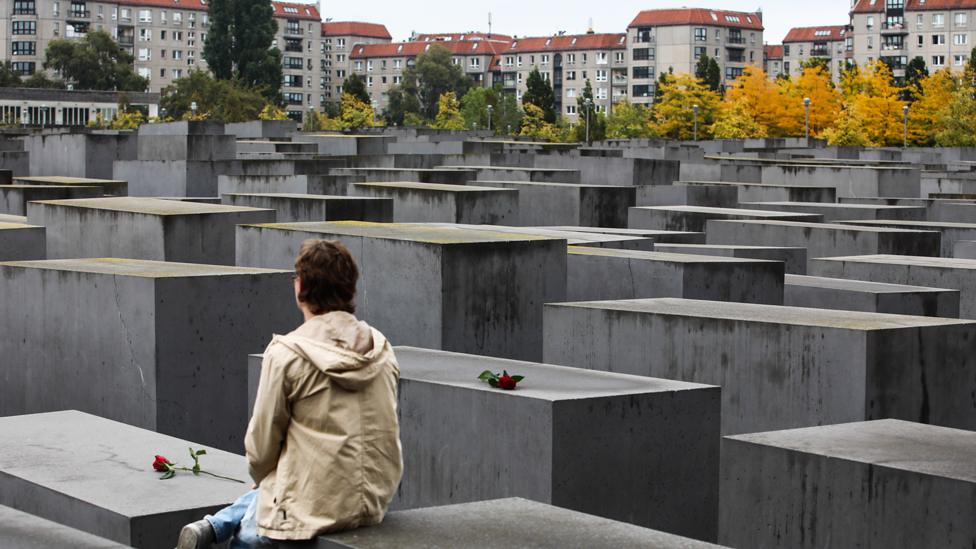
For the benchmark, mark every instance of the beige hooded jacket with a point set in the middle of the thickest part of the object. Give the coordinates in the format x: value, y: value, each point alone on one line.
x: 324, y: 442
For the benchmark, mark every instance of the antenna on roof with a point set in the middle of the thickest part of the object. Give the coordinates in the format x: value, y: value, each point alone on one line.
x: 589, y: 28
x: 489, y: 25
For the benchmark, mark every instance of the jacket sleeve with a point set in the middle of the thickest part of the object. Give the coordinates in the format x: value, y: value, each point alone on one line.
x: 269, y: 422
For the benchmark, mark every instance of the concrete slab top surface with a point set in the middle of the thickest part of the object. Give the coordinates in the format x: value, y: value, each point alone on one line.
x: 542, y: 381
x: 846, y: 206
x: 511, y: 169
x: 18, y: 219
x: 140, y: 268
x: 571, y: 236
x: 551, y: 184
x: 890, y: 443
x: 824, y: 226
x: 934, y: 225
x: 749, y: 184
x: 433, y: 187
x: 628, y: 232
x: 299, y: 196
x: 728, y: 211
x: 768, y: 314
x: 662, y: 256
x: 5, y: 225
x: 729, y: 247
x: 505, y: 523
x: 19, y: 530
x: 858, y: 285
x: 63, y: 180
x: 414, y: 170
x: 15, y: 186
x: 150, y: 206
x: 430, y: 233
x: 109, y: 464
x: 907, y: 261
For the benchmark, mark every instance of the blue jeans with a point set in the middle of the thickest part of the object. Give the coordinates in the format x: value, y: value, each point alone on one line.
x: 239, y: 521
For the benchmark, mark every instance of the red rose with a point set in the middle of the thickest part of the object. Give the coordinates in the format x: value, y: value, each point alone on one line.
x: 506, y: 382
x: 161, y: 464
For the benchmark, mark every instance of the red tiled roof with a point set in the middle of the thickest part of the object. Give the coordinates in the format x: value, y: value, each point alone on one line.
x: 816, y: 34
x: 698, y: 16
x: 199, y: 5
x: 292, y: 10
x: 567, y: 43
x: 918, y: 5
x: 461, y: 36
x: 411, y: 49
x: 356, y: 28
x: 868, y: 6
x: 773, y: 52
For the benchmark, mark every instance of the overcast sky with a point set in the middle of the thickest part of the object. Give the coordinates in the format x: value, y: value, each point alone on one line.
x: 538, y: 18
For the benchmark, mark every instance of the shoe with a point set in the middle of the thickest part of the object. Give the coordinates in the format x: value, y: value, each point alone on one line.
x: 196, y: 535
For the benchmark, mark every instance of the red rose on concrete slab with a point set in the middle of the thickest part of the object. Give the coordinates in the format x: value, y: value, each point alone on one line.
x: 506, y: 382
x: 161, y: 464
x: 169, y: 469
x: 500, y: 381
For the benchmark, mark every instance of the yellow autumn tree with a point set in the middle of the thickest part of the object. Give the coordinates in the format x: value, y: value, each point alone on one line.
x: 272, y: 112
x: 448, y: 113
x: 629, y: 121
x: 753, y: 107
x: 813, y: 83
x: 871, y: 107
x: 735, y: 122
x: 925, y: 118
x: 356, y: 113
x: 673, y: 115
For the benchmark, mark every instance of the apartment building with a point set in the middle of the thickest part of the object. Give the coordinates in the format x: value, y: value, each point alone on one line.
x: 773, y: 61
x: 567, y: 62
x: 939, y: 31
x: 833, y: 44
x: 164, y: 36
x: 664, y: 39
x: 338, y: 40
x: 459, y: 36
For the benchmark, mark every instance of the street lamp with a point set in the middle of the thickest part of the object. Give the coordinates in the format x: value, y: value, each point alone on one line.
x: 374, y: 105
x: 490, y: 108
x: 694, y: 109
x: 806, y: 107
x: 904, y: 111
x: 589, y: 105
x: 193, y: 108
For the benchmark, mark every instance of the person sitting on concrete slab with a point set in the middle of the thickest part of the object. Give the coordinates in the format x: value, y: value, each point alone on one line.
x: 323, y: 443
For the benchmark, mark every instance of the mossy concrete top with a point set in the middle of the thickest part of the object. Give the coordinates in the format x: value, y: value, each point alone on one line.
x: 139, y: 268
x: 416, y: 232
x: 150, y: 206
x: 729, y: 211
x: 4, y: 226
x: 433, y: 187
x: 16, y: 186
x: 552, y: 184
x: 299, y: 196
x: 822, y: 226
x: 650, y: 233
x: 768, y: 314
x: 728, y: 247
x: 63, y: 180
x: 887, y: 443
x: 571, y: 236
x: 661, y: 256
x: 906, y: 261
x: 19, y: 219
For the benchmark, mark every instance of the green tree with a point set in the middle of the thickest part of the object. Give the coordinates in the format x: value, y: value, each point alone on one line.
x: 432, y: 75
x: 539, y: 93
x: 95, y: 62
x: 598, y: 122
x: 355, y: 113
x: 355, y: 86
x: 400, y: 103
x: 223, y: 100
x: 238, y: 45
x: 449, y: 113
x: 821, y: 63
x: 629, y: 121
x: 505, y: 111
x: 708, y: 71
x: 41, y: 80
x: 662, y: 79
x: 9, y: 78
x: 915, y: 72
x: 674, y: 116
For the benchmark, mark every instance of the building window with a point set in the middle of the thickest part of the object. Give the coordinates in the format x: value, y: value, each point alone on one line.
x: 145, y: 16
x: 920, y: 20
x: 960, y: 39
x: 938, y: 60
x: 619, y: 57
x: 570, y: 75
x: 642, y: 72
x: 642, y: 91
x: 571, y: 109
x: 731, y: 73
x: 938, y: 20
x: 870, y: 22
x: 921, y: 40
x: 701, y: 34
x: 544, y: 59
x: 938, y: 39
x: 475, y: 62
x: 644, y: 35
x: 959, y: 60
x: 25, y: 27
x: 23, y: 67
x: 145, y: 35
x: 24, y: 7
x: 24, y: 48
x: 601, y: 76
x: 960, y: 19
x: 293, y: 81
x: 602, y: 58
x: 145, y: 72
x: 144, y: 54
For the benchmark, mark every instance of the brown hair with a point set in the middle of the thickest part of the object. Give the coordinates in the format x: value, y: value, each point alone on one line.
x: 328, y: 276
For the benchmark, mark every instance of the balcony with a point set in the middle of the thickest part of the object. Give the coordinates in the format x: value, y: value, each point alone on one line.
x: 78, y: 14
x: 736, y: 59
x: 735, y: 41
x: 893, y: 28
x: 620, y: 80
x: 820, y: 52
x: 893, y: 47
x: 126, y: 41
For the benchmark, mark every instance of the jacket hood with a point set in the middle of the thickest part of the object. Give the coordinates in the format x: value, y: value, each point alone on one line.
x: 348, y: 351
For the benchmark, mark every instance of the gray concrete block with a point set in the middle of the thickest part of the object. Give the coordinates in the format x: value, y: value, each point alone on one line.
x: 677, y: 237
x: 779, y: 367
x: 715, y: 196
x: 964, y: 249
x: 153, y: 344
x: 172, y: 177
x: 262, y: 129
x: 438, y: 203
x: 310, y: 207
x: 96, y: 475
x: 142, y: 228
x: 110, y: 187
x: 874, y: 484
x: 569, y: 203
x: 597, y: 274
x: 501, y: 524
x: 516, y: 173
x: 439, y: 287
x: 932, y: 272
x: 872, y: 297
x: 951, y: 232
x: 14, y: 198
x: 848, y: 180
x: 443, y: 175
x: 649, y: 456
x: 19, y: 530
x: 758, y: 192
x: 837, y: 212
x: 575, y: 237
x: 794, y: 259
x: 694, y: 218
x: 19, y: 241
x: 87, y: 154
x: 825, y: 239
x: 293, y: 184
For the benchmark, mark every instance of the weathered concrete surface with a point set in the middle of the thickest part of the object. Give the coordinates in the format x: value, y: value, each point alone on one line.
x: 14, y: 198
x: 292, y: 183
x: 872, y: 297
x: 110, y: 187
x: 825, y: 239
x: 964, y: 249
x: 153, y: 344
x: 88, y: 154
x: 171, y: 177
x: 438, y: 203
x: 849, y: 181
x: 444, y: 175
x: 779, y: 367
x: 142, y: 228
x: 627, y: 274
x: 311, y: 207
x: 677, y: 237
x: 951, y: 232
x: 19, y: 530
x: 573, y: 236
x: 515, y: 173
x: 794, y: 258
x: 714, y: 196
x: 758, y: 192
x: 502, y: 524
x: 19, y: 241
x: 96, y: 475
x: 439, y: 287
x: 932, y: 272
x: 874, y: 484
x: 837, y: 212
x: 694, y: 218
x: 655, y: 440
x: 568, y: 203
